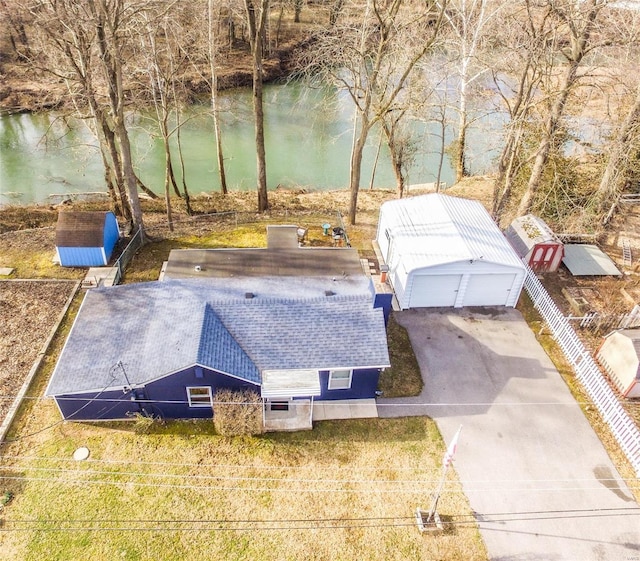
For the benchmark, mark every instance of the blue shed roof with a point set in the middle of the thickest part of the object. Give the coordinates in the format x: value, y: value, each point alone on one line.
x: 157, y: 328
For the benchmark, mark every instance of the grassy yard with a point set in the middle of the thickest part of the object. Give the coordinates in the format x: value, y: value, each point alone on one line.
x: 346, y: 490
x: 174, y: 491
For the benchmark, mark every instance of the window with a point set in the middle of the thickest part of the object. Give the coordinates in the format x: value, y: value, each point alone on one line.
x: 199, y: 396
x: 279, y: 405
x: 339, y: 379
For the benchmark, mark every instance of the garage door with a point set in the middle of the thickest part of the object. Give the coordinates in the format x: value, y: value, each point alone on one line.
x: 488, y: 290
x: 430, y: 291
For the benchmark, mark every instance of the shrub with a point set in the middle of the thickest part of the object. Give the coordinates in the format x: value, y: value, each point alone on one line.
x: 237, y: 412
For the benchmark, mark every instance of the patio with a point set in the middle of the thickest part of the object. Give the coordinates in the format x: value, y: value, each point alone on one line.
x: 298, y: 414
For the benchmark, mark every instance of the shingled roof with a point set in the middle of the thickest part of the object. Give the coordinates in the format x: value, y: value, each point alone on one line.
x: 80, y: 229
x: 241, y: 329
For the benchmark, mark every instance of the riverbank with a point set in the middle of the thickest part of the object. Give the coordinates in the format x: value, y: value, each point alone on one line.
x: 22, y: 92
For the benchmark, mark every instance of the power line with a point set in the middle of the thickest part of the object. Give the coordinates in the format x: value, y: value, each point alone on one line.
x: 452, y: 487
x: 217, y: 525
x: 217, y: 466
x: 373, y: 481
x: 378, y: 404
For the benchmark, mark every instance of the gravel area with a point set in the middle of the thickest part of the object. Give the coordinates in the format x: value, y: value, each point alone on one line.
x: 28, y: 312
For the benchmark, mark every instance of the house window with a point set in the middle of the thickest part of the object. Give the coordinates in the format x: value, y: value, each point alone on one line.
x: 279, y: 405
x: 339, y: 379
x: 199, y: 396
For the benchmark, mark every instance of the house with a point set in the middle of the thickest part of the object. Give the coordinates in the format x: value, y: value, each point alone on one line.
x: 619, y: 356
x: 535, y: 243
x: 444, y: 251
x: 164, y: 348
x: 86, y: 239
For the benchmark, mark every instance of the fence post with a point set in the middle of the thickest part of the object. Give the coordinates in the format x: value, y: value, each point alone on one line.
x: 587, y: 372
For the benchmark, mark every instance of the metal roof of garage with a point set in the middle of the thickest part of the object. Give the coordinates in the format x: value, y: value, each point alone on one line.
x: 588, y: 260
x: 435, y: 229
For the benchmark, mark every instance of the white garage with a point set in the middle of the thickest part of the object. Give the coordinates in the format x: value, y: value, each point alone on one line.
x: 445, y: 251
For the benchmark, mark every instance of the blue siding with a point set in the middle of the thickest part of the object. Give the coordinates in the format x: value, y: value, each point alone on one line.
x: 383, y: 300
x: 81, y: 257
x: 165, y: 398
x: 111, y: 234
x: 174, y: 389
x: 97, y: 406
x: 364, y: 384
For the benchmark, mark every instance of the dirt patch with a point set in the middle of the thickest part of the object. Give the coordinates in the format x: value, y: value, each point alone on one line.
x: 28, y: 312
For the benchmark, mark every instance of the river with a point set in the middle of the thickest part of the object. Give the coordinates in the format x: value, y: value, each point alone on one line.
x: 308, y: 143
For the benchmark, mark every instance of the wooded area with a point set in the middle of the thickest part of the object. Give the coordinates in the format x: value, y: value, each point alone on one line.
x: 540, y: 65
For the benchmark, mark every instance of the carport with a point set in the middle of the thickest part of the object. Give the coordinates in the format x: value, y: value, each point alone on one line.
x: 445, y: 251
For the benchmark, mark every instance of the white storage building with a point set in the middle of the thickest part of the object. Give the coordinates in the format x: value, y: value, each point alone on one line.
x: 620, y: 357
x: 445, y: 251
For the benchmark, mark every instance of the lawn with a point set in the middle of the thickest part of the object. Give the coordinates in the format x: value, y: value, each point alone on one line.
x: 346, y: 490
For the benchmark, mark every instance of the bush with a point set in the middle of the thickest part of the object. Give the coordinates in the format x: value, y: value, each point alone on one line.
x: 237, y: 412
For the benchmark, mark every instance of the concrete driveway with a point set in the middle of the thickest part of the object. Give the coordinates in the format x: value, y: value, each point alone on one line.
x: 538, y: 478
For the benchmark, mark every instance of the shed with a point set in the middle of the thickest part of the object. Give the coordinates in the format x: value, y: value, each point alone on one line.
x: 445, y: 251
x: 535, y: 243
x: 584, y: 260
x: 619, y: 356
x: 86, y: 239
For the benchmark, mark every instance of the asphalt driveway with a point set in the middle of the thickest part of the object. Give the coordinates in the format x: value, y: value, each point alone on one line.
x: 538, y: 478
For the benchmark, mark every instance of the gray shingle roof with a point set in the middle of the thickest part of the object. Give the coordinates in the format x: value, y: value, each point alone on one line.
x: 158, y: 328
x: 80, y: 229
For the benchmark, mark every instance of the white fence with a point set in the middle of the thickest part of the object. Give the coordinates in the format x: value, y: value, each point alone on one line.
x: 621, y: 424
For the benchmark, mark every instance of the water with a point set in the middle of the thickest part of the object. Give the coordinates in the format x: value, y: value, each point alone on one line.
x: 308, y: 142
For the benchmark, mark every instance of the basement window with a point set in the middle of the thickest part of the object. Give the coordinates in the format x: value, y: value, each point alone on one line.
x: 340, y: 379
x: 199, y: 396
x: 279, y: 405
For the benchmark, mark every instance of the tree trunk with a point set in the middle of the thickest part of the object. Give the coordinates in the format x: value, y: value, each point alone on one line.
x: 461, y: 144
x: 129, y: 175
x: 257, y: 26
x: 575, y: 53
x: 355, y: 171
x: 614, y: 176
x: 214, y: 102
x: 544, y: 148
x: 297, y: 9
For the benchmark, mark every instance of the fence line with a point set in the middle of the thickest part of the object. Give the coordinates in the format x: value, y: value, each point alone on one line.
x: 621, y: 424
x: 608, y: 322
x: 127, y: 255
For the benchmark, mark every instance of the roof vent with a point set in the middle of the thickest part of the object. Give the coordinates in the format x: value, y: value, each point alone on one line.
x: 197, y: 268
x: 329, y: 293
x: 249, y: 295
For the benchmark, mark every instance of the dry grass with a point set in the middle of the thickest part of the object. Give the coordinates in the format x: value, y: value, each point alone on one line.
x: 346, y: 490
x: 403, y: 378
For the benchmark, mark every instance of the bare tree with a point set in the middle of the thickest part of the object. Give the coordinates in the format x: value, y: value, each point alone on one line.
x: 518, y: 75
x: 257, y: 13
x: 213, y: 18
x: 467, y: 21
x: 66, y: 46
x: 373, y: 61
x: 577, y: 21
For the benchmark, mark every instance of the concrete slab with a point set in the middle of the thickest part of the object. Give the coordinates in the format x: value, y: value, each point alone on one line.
x: 6, y: 271
x: 537, y: 476
x: 345, y: 409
